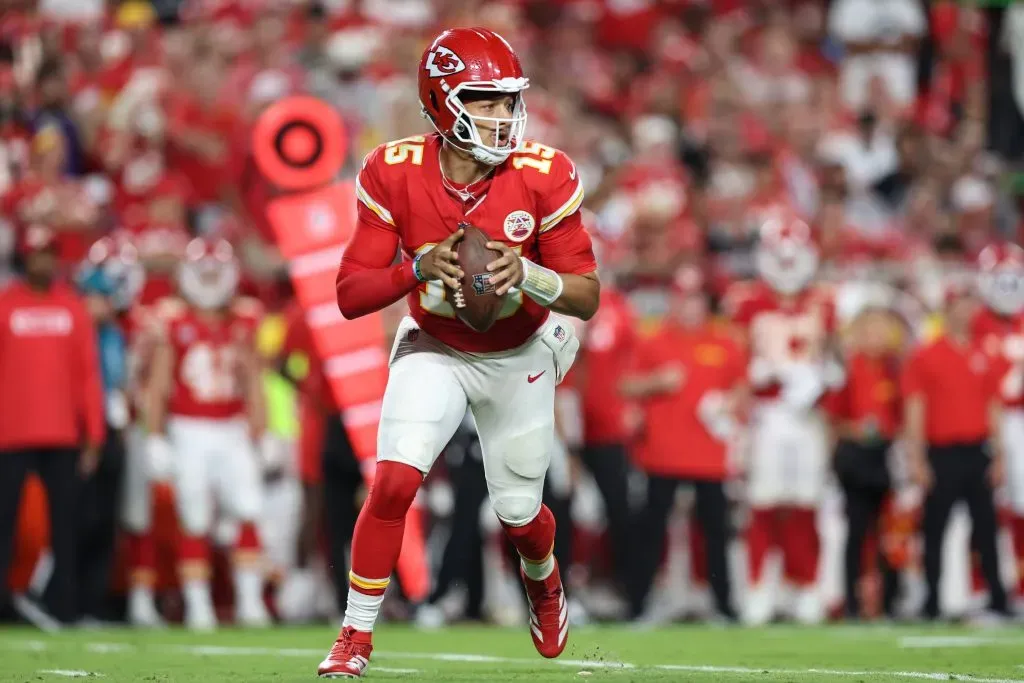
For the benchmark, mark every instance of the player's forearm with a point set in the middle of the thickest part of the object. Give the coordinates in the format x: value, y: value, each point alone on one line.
x: 157, y: 390
x: 995, y: 421
x: 365, y: 290
x: 568, y: 293
x: 913, y: 431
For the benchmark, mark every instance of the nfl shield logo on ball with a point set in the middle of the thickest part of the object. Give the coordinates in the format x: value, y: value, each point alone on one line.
x: 482, y: 284
x: 519, y: 225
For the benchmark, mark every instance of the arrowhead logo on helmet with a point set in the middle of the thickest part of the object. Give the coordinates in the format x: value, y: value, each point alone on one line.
x: 443, y: 62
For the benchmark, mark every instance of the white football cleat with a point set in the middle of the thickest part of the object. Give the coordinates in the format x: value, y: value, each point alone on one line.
x: 759, y: 607
x: 142, y: 611
x: 252, y: 614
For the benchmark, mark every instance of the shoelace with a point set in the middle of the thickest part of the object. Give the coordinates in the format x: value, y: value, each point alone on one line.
x: 549, y: 597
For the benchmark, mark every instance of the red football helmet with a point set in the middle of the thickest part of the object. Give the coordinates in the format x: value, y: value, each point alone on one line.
x: 208, y: 277
x: 480, y: 61
x: 786, y: 257
x: 1001, y: 277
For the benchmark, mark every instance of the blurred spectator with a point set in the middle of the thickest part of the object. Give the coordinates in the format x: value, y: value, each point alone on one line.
x: 51, y: 408
x: 52, y: 110
x: 880, y: 39
x: 607, y: 339
x: 689, y: 376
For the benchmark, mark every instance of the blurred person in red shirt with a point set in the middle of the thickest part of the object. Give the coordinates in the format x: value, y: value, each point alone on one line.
x: 326, y: 461
x: 788, y: 323
x: 690, y: 377
x: 46, y: 196
x: 953, y: 394
x: 201, y: 129
x: 867, y: 415
x: 607, y: 340
x: 999, y: 329
x: 51, y: 408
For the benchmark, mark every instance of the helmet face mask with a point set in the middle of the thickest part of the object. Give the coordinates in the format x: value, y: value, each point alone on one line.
x: 488, y: 139
x: 1001, y: 279
x: 465, y: 66
x: 786, y: 257
x: 208, y: 278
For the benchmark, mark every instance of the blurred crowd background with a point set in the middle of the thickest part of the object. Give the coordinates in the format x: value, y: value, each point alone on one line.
x: 892, y: 127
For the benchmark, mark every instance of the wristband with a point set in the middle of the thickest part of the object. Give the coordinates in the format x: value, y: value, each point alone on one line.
x: 541, y: 284
x: 416, y: 268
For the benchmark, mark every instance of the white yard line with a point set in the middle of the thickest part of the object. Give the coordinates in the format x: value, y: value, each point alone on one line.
x: 912, y: 642
x: 69, y: 673
x: 230, y: 651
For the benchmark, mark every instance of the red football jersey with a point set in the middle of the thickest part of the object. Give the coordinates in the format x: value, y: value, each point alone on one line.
x: 208, y: 379
x: 782, y: 331
x: 531, y: 202
x: 1002, y: 338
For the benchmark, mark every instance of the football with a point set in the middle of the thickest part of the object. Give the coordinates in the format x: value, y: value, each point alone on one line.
x: 475, y: 302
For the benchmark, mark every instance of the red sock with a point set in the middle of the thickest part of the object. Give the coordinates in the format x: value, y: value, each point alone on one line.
x: 194, y: 557
x: 377, y: 539
x: 800, y: 545
x: 698, y: 555
x: 141, y: 558
x: 760, y: 540
x: 247, y: 545
x: 1017, y: 529
x: 978, y: 584
x: 535, y: 540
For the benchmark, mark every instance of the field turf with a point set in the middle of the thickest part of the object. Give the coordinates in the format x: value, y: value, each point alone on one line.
x: 483, y: 654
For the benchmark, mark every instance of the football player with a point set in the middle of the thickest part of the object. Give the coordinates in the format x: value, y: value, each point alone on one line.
x: 999, y: 329
x: 205, y: 412
x: 788, y: 326
x: 412, y: 194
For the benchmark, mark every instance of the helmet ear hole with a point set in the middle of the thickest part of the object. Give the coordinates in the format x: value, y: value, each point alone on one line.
x: 433, y: 101
x: 461, y: 128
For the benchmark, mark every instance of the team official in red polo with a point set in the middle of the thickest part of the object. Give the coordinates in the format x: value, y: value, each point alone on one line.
x: 605, y: 341
x: 867, y: 414
x: 51, y: 408
x: 953, y: 414
x: 689, y: 376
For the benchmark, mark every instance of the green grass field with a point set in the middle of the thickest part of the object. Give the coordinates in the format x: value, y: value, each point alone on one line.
x: 481, y: 655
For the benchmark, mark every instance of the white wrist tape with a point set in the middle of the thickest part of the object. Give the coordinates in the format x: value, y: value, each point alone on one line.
x: 541, y: 284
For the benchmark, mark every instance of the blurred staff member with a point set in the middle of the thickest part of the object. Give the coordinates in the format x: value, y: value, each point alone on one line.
x: 952, y: 414
x: 606, y: 341
x: 51, y: 405
x: 110, y: 280
x: 867, y: 414
x: 326, y: 462
x: 690, y: 376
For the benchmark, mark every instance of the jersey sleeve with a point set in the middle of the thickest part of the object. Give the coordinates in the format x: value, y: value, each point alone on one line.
x: 371, y: 193
x: 560, y: 190
x: 563, y: 241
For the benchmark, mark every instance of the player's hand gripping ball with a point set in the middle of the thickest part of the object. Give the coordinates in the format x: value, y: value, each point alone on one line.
x: 476, y: 300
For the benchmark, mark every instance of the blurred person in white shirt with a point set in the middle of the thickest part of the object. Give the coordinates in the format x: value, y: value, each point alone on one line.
x: 880, y: 40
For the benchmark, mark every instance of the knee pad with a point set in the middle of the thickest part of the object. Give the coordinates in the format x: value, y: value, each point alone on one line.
x: 518, y: 505
x: 394, y: 488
